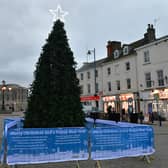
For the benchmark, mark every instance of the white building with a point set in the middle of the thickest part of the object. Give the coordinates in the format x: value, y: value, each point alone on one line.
x: 124, y: 80
x: 153, y: 76
x: 13, y: 97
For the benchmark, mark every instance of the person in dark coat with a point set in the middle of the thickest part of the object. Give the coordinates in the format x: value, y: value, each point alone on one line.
x: 141, y: 117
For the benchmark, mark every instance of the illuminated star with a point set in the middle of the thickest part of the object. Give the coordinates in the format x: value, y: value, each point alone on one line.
x: 58, y: 14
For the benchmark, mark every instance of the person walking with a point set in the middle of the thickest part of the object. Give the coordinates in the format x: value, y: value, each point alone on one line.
x: 160, y: 120
x: 141, y: 117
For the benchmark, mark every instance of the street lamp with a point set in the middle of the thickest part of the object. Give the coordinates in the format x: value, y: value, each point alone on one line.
x: 94, y: 54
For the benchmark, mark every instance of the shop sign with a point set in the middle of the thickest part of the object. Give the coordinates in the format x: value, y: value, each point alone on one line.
x: 89, y: 98
x: 109, y: 98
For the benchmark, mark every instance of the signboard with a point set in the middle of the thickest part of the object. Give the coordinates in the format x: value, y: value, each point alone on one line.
x: 111, y: 143
x: 46, y: 145
x: 87, y: 98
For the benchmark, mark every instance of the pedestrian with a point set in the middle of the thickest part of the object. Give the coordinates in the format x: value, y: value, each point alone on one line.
x: 123, y: 114
x: 141, y: 117
x: 152, y: 117
x: 160, y: 120
x: 109, y: 111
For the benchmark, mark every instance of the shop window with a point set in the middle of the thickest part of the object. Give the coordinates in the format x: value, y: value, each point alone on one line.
x: 160, y: 78
x: 128, y: 83
x: 109, y: 86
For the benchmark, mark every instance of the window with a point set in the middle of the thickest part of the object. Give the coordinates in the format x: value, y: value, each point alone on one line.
x: 108, y: 71
x: 146, y: 57
x: 88, y: 88
x: 127, y: 65
x: 109, y: 86
x: 125, y: 50
x: 116, y: 54
x: 81, y: 89
x: 118, y: 85
x: 81, y: 76
x: 97, y: 88
x: 160, y: 78
x: 148, y: 79
x: 128, y: 83
x: 88, y: 75
x: 96, y: 73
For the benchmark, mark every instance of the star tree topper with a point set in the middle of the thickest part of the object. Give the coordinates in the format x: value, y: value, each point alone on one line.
x: 58, y: 14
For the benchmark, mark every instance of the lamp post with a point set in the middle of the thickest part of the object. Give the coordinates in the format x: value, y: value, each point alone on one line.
x: 94, y: 54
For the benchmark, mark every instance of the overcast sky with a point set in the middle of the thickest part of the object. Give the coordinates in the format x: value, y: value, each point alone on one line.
x: 25, y: 24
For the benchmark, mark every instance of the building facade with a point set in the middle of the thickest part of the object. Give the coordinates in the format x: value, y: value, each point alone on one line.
x: 13, y: 97
x: 131, y: 78
x: 153, y: 76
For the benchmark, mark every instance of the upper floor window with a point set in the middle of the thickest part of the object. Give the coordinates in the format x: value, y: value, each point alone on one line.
x: 146, y: 57
x: 109, y: 71
x: 127, y: 66
x: 125, y: 50
x: 116, y: 54
x: 118, y: 85
x: 97, y: 88
x: 148, y: 79
x: 109, y: 86
x: 88, y: 75
x: 89, y: 88
x: 81, y: 76
x: 96, y: 73
x: 128, y: 83
x: 160, y: 78
x: 81, y: 89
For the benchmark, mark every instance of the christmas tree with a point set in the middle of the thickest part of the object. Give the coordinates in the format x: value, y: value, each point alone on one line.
x: 54, y: 99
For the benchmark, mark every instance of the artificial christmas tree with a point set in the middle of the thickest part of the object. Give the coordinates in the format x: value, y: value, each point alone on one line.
x: 54, y: 99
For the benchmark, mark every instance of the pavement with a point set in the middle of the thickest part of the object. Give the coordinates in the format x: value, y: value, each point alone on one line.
x: 158, y: 160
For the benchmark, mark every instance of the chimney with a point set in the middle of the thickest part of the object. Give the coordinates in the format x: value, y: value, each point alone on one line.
x: 150, y: 34
x: 111, y: 46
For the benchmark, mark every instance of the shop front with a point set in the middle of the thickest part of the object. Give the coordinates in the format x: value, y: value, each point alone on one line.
x: 156, y: 102
x: 123, y: 102
x: 90, y: 102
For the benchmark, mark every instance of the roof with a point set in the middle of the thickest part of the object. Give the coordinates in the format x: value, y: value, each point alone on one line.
x: 91, y: 65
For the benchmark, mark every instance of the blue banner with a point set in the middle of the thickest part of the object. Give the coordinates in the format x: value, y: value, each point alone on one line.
x: 110, y: 143
x: 45, y: 145
x: 8, y: 123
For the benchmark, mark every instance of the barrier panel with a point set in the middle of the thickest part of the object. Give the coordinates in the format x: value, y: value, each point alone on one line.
x: 107, y: 143
x: 8, y: 123
x: 43, y: 145
x: 100, y: 140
